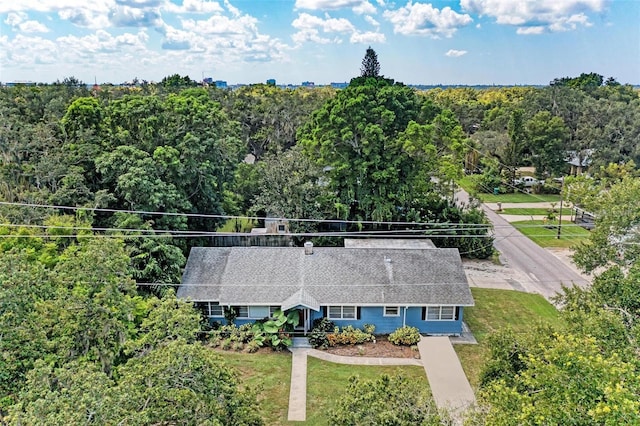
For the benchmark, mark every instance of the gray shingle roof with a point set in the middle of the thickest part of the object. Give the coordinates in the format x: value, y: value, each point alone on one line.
x: 353, y: 276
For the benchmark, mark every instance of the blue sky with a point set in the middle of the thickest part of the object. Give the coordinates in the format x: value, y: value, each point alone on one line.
x: 249, y: 41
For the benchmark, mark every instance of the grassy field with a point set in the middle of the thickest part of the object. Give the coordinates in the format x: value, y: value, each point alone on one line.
x: 570, y: 234
x: 497, y: 309
x: 532, y: 211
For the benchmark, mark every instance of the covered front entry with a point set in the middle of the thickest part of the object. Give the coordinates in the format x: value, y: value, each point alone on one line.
x: 304, y: 320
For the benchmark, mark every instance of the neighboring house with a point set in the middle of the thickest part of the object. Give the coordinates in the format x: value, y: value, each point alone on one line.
x: 579, y: 161
x: 388, y: 287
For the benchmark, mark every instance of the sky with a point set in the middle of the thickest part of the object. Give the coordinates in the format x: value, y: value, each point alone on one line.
x: 467, y: 42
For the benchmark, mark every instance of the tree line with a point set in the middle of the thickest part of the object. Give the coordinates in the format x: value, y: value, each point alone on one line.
x: 81, y: 344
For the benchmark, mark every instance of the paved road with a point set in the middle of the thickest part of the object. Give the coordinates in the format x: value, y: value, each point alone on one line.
x: 540, y: 271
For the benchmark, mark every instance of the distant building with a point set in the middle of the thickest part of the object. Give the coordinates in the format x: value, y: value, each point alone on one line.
x: 308, y: 84
x: 339, y: 85
x: 221, y: 84
x: 271, y: 82
x: 207, y: 80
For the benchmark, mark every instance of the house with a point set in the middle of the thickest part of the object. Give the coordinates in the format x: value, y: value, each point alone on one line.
x: 579, y: 161
x: 388, y: 285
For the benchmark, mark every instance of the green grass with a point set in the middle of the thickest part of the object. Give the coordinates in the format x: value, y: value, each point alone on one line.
x: 519, y: 197
x: 233, y: 225
x: 570, y: 234
x: 495, y: 310
x: 532, y: 211
x: 326, y: 381
x: 270, y: 371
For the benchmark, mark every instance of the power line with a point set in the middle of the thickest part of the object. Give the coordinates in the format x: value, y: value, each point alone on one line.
x: 222, y: 216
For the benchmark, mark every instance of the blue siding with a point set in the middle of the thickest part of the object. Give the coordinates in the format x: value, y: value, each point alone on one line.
x: 385, y: 325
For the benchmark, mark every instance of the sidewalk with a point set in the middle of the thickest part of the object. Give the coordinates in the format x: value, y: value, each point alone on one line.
x: 449, y: 384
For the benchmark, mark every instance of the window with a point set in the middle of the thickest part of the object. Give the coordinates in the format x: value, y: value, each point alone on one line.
x: 210, y: 309
x: 342, y: 312
x: 439, y: 313
x: 391, y: 311
x: 255, y: 312
x: 241, y: 311
x: 258, y: 311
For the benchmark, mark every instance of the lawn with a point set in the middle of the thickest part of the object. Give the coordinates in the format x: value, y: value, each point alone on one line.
x: 497, y: 309
x: 326, y: 381
x: 519, y: 197
x: 270, y: 371
x: 570, y: 234
x: 494, y: 310
x: 533, y: 211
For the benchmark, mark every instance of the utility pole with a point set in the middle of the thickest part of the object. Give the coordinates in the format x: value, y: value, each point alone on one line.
x: 560, y: 216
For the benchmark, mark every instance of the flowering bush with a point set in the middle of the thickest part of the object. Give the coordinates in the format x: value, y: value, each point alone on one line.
x: 405, y: 336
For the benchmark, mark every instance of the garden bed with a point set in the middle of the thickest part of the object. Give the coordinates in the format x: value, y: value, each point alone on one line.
x: 382, y: 348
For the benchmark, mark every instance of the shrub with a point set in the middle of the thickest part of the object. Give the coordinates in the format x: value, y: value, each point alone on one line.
x: 405, y: 336
x: 323, y: 324
x: 253, y: 346
x: 369, y: 328
x: 226, y: 344
x: 238, y: 346
x: 348, y: 336
x: 318, y: 339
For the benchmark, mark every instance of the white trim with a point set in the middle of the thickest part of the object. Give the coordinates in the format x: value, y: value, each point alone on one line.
x: 385, y: 314
x: 440, y: 318
x: 342, y: 317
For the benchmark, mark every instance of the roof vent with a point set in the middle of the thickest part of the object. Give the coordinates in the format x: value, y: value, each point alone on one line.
x: 308, y: 247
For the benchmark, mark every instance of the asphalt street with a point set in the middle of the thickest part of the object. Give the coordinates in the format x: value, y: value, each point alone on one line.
x: 539, y: 270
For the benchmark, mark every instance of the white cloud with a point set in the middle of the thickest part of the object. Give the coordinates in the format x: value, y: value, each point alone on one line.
x: 424, y: 19
x: 33, y: 27
x: 368, y: 37
x: 234, y: 11
x: 194, y: 6
x: 14, y: 19
x: 371, y: 21
x: 537, y: 16
x: 310, y: 28
x: 357, y: 6
x: 126, y: 16
x: 455, y: 53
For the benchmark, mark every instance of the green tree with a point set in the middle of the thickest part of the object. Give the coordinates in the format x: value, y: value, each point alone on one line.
x: 181, y: 382
x: 355, y: 137
x: 291, y: 186
x: 565, y: 379
x: 548, y: 137
x: 615, y: 239
x: 385, y: 401
x: 370, y: 65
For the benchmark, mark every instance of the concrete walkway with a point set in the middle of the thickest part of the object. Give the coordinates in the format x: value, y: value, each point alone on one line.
x: 298, y: 389
x: 449, y: 385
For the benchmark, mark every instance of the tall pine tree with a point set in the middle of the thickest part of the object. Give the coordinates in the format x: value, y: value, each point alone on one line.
x: 370, y: 65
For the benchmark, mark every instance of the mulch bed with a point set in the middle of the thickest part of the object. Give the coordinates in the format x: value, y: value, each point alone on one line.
x: 381, y: 348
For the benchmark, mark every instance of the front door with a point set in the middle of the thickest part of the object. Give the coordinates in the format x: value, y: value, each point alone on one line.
x: 303, y: 320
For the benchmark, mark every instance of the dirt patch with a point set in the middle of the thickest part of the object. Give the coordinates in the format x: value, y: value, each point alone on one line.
x: 382, y: 348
